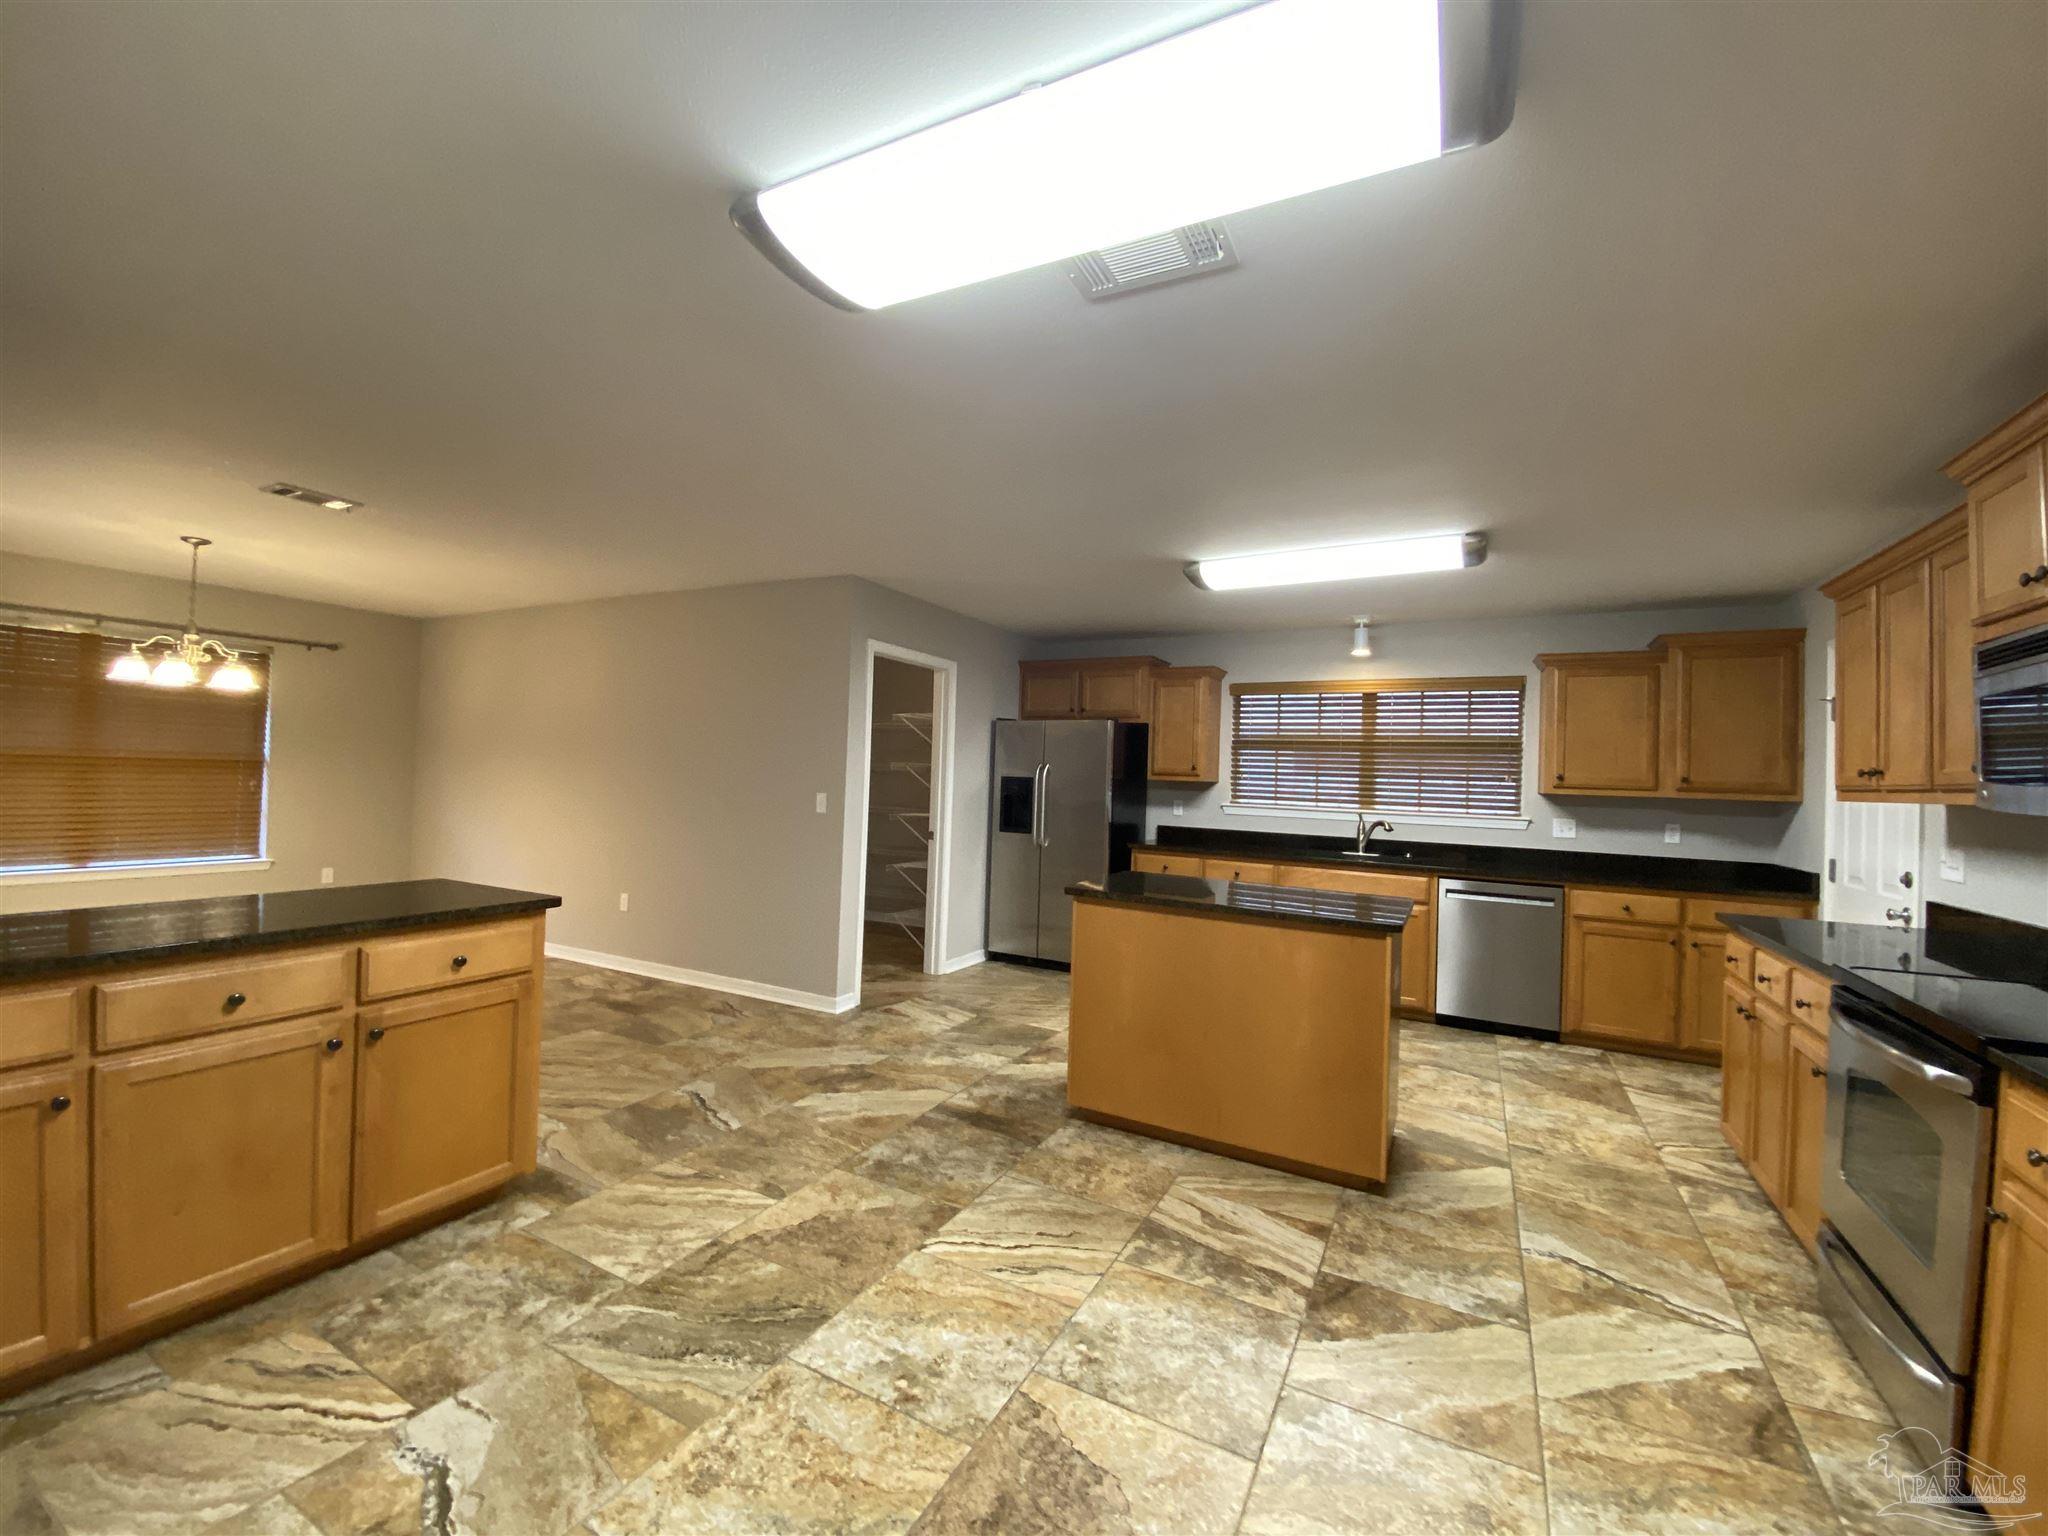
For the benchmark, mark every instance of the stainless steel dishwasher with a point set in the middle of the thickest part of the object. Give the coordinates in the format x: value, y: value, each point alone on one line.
x: 1500, y: 955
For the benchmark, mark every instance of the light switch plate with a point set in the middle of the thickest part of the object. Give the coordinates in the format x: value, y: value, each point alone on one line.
x: 1670, y: 831
x: 821, y: 803
x: 622, y: 901
x: 1952, y: 866
x: 1180, y: 808
x: 1563, y: 826
x: 327, y: 874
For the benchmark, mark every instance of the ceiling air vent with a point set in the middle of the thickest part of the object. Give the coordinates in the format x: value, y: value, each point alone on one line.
x: 1193, y: 250
x: 311, y: 498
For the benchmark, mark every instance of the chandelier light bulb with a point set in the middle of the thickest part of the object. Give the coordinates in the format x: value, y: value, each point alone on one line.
x: 130, y: 666
x: 174, y: 672
x: 232, y: 677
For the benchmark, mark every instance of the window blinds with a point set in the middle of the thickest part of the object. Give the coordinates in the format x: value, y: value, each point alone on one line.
x: 1437, y: 746
x: 98, y: 772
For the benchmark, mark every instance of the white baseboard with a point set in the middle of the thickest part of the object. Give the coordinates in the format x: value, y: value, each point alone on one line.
x: 961, y: 962
x: 738, y: 986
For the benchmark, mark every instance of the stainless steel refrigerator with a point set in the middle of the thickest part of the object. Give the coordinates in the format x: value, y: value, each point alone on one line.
x: 1068, y: 802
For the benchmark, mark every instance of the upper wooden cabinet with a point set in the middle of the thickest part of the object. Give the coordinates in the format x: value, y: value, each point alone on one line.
x: 1600, y: 714
x: 1087, y: 688
x: 1187, y: 724
x: 2004, y: 472
x: 1737, y: 726
x: 1905, y: 717
x: 1708, y: 716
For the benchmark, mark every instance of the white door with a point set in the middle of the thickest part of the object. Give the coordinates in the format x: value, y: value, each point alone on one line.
x: 1873, y: 855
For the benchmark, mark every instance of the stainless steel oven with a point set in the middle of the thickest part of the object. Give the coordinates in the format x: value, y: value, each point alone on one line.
x: 2012, y: 722
x: 1904, y: 1169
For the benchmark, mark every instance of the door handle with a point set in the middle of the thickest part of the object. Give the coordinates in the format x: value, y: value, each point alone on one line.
x: 1926, y: 1071
x: 1039, y: 782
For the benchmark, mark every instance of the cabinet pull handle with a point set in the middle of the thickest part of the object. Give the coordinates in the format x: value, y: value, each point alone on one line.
x: 1813, y: 1071
x: 2036, y: 1157
x: 459, y: 961
x: 376, y: 1034
x: 334, y: 1044
x: 1560, y: 778
x: 60, y: 1103
x: 1626, y: 907
x: 2028, y: 578
x: 1801, y: 1002
x: 1994, y: 1213
x: 235, y: 1000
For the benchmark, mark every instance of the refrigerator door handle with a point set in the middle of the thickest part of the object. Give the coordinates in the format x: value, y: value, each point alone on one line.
x: 1038, y: 788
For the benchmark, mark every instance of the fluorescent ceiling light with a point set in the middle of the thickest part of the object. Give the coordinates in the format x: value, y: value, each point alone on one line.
x: 1339, y: 562
x: 1270, y: 102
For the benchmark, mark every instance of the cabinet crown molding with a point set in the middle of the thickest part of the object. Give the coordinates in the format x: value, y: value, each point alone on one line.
x: 2019, y: 431
x: 1922, y: 541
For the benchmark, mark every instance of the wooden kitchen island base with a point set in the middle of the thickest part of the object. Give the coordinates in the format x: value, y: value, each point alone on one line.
x: 1250, y: 1020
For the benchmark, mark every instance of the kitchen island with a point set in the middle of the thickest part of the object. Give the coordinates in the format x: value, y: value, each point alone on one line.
x: 1248, y: 1019
x: 204, y: 1100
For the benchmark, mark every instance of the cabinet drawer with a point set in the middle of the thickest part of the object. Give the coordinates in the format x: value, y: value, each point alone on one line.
x: 171, y: 1005
x: 37, y: 1024
x: 442, y: 957
x: 1772, y: 977
x: 1238, y: 869
x: 1625, y: 906
x: 1703, y: 911
x: 1166, y: 864
x: 2023, y: 1128
x: 1363, y: 882
x: 1810, y: 995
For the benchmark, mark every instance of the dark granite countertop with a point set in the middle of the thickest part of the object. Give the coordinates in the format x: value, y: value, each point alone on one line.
x: 1554, y: 866
x: 1242, y: 899
x: 1976, y: 983
x: 36, y: 943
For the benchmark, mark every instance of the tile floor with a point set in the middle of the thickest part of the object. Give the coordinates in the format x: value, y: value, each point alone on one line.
x: 792, y: 1274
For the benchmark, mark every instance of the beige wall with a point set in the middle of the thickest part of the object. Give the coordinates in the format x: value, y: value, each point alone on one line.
x: 341, y: 735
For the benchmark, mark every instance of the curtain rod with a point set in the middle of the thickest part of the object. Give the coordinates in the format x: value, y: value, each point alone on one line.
x: 164, y: 626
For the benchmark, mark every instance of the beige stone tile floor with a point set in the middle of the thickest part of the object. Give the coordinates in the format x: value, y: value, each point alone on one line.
x: 780, y: 1273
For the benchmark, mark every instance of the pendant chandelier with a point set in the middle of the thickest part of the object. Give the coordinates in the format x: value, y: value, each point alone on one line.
x: 181, y: 659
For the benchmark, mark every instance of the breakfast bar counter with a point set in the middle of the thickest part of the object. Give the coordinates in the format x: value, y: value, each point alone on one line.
x: 1253, y: 1020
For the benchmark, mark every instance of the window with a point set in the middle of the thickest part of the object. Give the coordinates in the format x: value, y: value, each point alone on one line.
x: 1447, y: 746
x: 94, y: 772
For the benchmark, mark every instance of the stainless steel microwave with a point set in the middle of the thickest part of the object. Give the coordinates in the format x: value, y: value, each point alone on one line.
x: 2012, y: 723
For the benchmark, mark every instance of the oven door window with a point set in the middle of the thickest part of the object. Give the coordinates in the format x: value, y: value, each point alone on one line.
x: 2012, y: 731
x: 1891, y: 1158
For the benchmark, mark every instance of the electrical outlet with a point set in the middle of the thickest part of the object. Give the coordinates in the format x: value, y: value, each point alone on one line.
x: 327, y: 874
x: 1670, y: 831
x: 622, y: 901
x: 1952, y: 865
x: 1563, y: 826
x: 821, y: 803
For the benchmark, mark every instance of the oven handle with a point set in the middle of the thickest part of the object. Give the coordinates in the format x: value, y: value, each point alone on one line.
x: 1858, y: 1292
x: 1926, y: 1071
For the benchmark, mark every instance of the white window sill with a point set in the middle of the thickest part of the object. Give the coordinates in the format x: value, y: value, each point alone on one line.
x: 129, y: 871
x: 1398, y: 818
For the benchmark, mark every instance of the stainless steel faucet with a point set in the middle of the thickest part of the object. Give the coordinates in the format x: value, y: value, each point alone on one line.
x: 1365, y: 832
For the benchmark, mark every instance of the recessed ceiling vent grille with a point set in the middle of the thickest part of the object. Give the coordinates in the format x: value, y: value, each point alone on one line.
x: 311, y: 498
x: 1194, y: 250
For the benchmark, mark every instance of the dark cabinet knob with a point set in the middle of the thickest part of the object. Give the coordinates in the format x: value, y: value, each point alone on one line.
x: 235, y: 1000
x: 1685, y: 778
x: 2028, y: 578
x: 376, y: 1035
x: 60, y: 1103
x: 1626, y: 907
x: 2036, y: 1157
x: 334, y: 1044
x: 1560, y: 778
x: 1994, y: 1213
x: 1802, y: 1002
x: 1813, y: 1071
x: 459, y: 961
x: 2041, y: 573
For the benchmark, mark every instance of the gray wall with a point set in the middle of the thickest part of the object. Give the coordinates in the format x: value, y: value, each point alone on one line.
x: 1498, y: 648
x: 342, y: 729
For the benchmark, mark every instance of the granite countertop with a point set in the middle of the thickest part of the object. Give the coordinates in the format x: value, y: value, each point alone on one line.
x: 37, y: 943
x: 1552, y: 866
x: 1242, y: 899
x: 1977, y: 986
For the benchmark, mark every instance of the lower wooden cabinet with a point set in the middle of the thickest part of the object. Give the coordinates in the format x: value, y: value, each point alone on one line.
x: 1774, y: 1089
x: 446, y: 1100
x: 1703, y: 969
x: 216, y: 1164
x: 2009, y: 1424
x: 43, y: 1119
x: 1621, y: 978
x: 1806, y: 1110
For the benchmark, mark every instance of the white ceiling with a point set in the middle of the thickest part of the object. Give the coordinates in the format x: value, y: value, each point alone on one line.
x: 1702, y: 325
